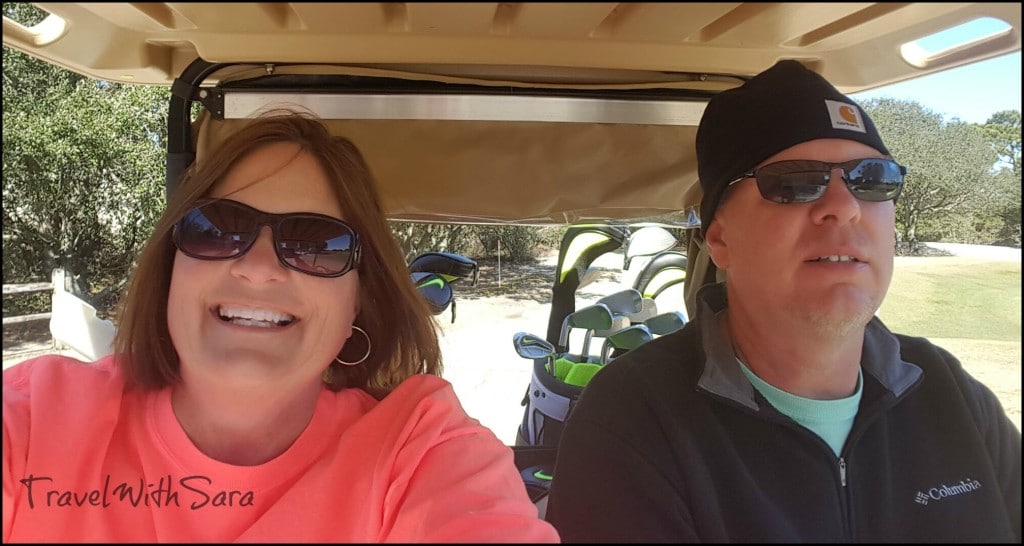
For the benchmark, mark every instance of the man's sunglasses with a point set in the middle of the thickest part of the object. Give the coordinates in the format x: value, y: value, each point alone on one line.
x: 805, y: 180
x: 222, y: 229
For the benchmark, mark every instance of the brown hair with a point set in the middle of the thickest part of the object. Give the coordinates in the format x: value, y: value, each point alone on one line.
x: 392, y: 312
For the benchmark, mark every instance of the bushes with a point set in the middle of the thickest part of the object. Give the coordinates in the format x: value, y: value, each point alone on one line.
x: 518, y: 243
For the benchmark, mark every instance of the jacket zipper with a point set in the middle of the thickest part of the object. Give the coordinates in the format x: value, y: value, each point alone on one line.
x: 844, y: 494
x: 845, y: 503
x: 863, y: 422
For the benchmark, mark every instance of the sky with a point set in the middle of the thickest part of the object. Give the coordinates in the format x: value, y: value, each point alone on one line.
x: 972, y: 92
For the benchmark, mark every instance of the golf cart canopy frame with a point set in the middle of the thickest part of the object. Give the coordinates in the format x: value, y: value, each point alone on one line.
x: 438, y: 176
x: 526, y: 113
x: 500, y: 113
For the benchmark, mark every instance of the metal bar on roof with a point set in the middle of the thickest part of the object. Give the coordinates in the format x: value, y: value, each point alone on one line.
x: 244, y: 104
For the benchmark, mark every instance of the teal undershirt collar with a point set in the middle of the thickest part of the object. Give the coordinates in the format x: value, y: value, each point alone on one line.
x: 831, y: 420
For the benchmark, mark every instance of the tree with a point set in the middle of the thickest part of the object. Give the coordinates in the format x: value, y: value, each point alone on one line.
x: 83, y: 173
x: 949, y: 179
x: 1009, y: 215
x: 415, y: 238
x: 1002, y: 131
x: 518, y: 243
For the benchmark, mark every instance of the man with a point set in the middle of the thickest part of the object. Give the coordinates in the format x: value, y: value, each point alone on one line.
x: 786, y: 411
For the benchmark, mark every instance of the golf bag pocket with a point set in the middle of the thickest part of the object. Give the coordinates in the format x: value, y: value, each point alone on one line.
x: 548, y: 402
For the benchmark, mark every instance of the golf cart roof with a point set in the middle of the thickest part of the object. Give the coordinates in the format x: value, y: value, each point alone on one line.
x: 533, y: 113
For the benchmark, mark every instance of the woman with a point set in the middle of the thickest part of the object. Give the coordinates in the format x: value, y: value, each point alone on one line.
x: 275, y: 378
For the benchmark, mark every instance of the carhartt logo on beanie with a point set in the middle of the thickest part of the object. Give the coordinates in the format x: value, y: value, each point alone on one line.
x: 780, y: 107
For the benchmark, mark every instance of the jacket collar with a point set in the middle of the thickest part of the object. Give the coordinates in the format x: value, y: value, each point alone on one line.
x: 880, y: 356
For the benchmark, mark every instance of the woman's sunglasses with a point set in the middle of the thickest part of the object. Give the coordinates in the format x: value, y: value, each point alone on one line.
x: 805, y: 180
x: 315, y: 244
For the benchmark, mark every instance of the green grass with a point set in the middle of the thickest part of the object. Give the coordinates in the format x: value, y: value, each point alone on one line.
x: 969, y: 307
x: 942, y: 297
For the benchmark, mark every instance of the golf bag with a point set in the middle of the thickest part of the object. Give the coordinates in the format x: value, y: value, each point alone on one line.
x: 547, y: 403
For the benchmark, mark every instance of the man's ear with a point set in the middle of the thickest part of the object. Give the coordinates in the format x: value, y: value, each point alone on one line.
x: 717, y: 247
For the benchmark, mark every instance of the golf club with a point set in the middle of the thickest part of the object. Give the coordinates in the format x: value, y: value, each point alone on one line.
x: 648, y: 309
x: 618, y: 322
x: 452, y: 267
x: 436, y: 290
x: 647, y: 241
x: 623, y: 302
x: 625, y: 339
x: 665, y: 323
x: 592, y: 317
x: 532, y: 347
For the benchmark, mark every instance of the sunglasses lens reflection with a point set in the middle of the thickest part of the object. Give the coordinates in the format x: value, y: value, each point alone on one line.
x: 876, y: 179
x: 314, y: 244
x: 206, y: 232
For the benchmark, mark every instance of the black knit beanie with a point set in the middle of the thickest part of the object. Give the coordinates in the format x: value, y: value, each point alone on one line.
x: 780, y: 107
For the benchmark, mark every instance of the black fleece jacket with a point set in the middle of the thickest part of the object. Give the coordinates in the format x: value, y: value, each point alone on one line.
x: 671, y: 443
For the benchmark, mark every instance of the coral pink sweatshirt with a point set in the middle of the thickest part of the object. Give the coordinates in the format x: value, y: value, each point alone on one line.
x: 86, y: 460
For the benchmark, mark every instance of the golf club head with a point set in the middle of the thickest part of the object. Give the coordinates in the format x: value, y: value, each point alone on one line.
x: 623, y: 302
x: 618, y: 322
x: 452, y: 267
x: 647, y: 241
x: 532, y: 346
x: 625, y: 339
x: 591, y: 317
x: 665, y: 323
x: 434, y: 289
x: 589, y: 276
x: 663, y: 270
x: 647, y: 310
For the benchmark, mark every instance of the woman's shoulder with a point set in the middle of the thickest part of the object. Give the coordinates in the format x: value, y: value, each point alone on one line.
x: 426, y: 391
x: 52, y: 402
x: 426, y: 399
x: 62, y: 379
x: 426, y: 385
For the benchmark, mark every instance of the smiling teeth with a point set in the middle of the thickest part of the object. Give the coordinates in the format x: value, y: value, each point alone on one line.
x: 254, y: 317
x: 836, y: 258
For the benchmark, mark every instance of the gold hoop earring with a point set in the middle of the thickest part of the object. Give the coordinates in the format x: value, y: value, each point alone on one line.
x: 369, y: 347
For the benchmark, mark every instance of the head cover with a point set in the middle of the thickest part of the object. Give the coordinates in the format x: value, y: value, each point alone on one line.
x: 780, y: 107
